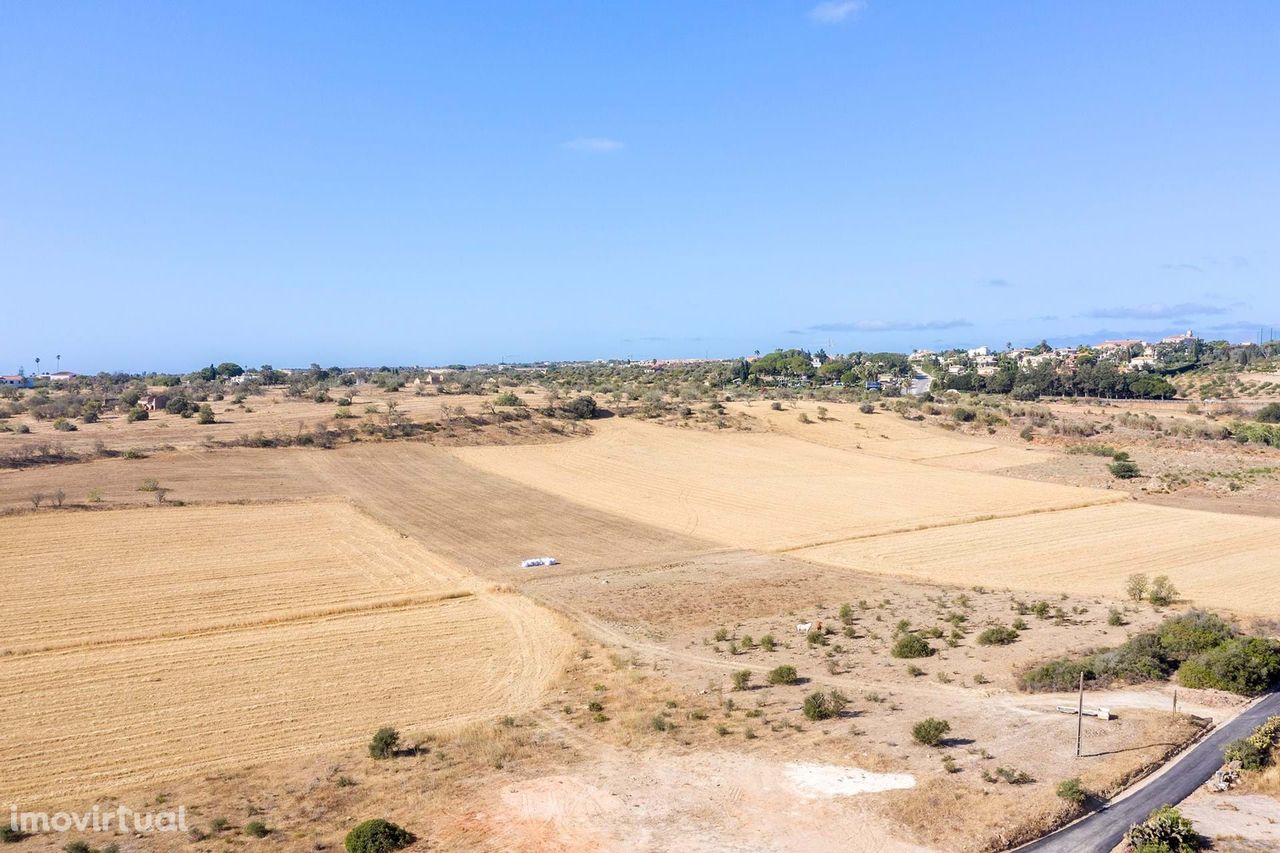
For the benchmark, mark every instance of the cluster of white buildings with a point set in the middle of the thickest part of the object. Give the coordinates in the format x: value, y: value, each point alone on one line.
x: 1129, y: 354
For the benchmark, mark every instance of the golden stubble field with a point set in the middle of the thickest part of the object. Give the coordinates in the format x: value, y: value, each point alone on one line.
x: 773, y: 492
x: 144, y: 644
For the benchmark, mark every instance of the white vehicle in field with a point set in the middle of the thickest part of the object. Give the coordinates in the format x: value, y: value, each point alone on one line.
x: 534, y: 562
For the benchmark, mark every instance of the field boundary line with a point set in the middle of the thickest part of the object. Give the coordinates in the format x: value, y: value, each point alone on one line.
x: 347, y: 611
x: 960, y: 522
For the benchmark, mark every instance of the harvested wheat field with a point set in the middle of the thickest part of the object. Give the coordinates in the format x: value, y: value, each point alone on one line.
x: 85, y: 579
x: 483, y: 521
x: 148, y: 644
x: 762, y: 491
x: 1214, y: 559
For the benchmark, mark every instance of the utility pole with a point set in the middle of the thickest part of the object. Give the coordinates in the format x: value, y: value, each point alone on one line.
x: 1080, y: 717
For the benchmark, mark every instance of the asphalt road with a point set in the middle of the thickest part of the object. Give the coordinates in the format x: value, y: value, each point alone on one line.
x: 920, y: 384
x: 1102, y: 831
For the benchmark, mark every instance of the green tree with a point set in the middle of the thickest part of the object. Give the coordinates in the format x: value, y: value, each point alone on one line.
x: 1162, y: 592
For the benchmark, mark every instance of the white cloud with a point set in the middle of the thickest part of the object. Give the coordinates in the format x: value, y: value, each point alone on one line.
x: 594, y: 144
x: 836, y: 11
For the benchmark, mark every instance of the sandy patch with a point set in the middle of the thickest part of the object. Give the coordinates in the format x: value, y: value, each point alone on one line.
x: 831, y: 780
x: 705, y: 801
x: 1253, y: 818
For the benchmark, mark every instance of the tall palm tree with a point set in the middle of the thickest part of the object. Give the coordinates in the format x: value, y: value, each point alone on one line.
x: 37, y: 365
x: 59, y: 357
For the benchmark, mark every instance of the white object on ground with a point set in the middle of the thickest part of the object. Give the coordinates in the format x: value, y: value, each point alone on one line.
x: 803, y: 627
x: 539, y: 561
x: 832, y: 780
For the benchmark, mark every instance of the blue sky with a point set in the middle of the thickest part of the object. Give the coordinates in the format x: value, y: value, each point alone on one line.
x: 424, y: 183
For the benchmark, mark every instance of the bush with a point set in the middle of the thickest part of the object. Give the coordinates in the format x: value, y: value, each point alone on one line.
x: 63, y: 425
x: 997, y: 636
x: 1140, y: 658
x: 583, y: 408
x: 1136, y: 586
x: 1165, y: 829
x: 1254, y: 752
x: 824, y: 706
x: 378, y: 836
x: 911, y: 645
x: 768, y: 643
x: 1057, y: 675
x: 1191, y: 633
x: 785, y: 674
x: 206, y: 414
x: 1014, y: 776
x: 1070, y: 790
x: 930, y: 732
x: 1248, y: 753
x: 507, y: 398
x: 384, y: 743
x: 179, y: 406
x: 137, y: 413
x: 1124, y: 470
x: 866, y: 408
x: 1268, y: 414
x: 963, y: 415
x: 741, y: 679
x: 257, y: 829
x: 1246, y: 665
